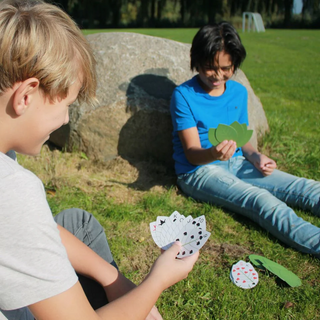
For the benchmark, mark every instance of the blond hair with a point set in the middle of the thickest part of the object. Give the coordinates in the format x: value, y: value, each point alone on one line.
x: 39, y: 40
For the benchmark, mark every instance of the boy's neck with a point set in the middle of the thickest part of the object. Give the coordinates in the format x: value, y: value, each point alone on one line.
x: 217, y: 92
x: 214, y: 92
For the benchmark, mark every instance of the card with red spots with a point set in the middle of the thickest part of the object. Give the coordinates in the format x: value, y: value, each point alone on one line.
x: 244, y: 275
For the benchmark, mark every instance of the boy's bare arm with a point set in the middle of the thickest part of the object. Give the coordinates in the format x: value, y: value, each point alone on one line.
x: 73, y: 305
x: 263, y: 163
x: 86, y: 262
x: 136, y: 304
x: 197, y: 155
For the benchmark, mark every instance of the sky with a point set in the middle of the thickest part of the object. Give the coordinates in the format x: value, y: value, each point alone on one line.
x: 297, y: 6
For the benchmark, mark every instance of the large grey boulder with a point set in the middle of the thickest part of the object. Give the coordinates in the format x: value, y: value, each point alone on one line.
x: 136, y: 77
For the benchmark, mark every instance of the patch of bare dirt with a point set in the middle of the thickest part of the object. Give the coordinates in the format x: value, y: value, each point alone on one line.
x: 122, y: 180
x: 231, y: 250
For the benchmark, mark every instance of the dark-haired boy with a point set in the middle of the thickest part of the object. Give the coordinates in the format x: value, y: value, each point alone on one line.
x: 240, y: 179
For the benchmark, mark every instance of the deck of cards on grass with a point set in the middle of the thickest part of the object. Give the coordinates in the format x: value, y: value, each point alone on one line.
x: 244, y: 275
x: 190, y: 232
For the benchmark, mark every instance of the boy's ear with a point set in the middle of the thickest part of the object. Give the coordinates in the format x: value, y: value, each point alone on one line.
x: 24, y: 94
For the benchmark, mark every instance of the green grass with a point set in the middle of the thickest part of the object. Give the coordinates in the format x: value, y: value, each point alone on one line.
x: 182, y: 35
x: 208, y: 292
x: 283, y: 68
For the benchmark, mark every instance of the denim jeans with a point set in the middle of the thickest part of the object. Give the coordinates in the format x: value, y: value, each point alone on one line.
x: 239, y: 187
x: 88, y: 230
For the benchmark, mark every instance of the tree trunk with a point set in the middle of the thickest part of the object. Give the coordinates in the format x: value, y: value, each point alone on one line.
x: 182, y: 10
x: 288, y: 4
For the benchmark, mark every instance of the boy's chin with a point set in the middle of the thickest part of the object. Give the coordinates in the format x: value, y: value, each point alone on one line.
x: 34, y: 152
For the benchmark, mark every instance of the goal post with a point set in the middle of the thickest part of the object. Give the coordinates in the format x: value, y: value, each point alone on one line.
x: 254, y: 22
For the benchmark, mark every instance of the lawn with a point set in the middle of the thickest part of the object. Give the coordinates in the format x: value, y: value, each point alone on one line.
x: 283, y: 69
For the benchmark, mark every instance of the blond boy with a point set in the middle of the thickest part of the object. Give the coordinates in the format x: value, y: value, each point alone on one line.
x: 45, y: 65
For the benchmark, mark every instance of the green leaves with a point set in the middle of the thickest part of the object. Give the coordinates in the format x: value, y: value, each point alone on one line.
x: 236, y: 132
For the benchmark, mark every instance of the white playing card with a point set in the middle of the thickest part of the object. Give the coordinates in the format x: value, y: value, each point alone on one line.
x: 164, y: 228
x: 178, y: 223
x: 199, y: 222
x: 154, y: 233
x: 185, y: 222
x: 162, y: 221
x: 192, y: 240
x: 170, y: 227
x: 244, y: 275
x: 175, y: 217
x: 158, y: 230
x: 190, y: 232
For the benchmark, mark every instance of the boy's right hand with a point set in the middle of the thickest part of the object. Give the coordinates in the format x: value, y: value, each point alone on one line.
x: 224, y: 150
x: 168, y: 270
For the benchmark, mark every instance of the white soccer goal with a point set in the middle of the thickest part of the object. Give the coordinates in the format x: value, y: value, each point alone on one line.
x: 255, y: 22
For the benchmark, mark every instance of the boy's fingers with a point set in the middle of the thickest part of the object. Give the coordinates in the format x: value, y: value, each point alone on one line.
x: 175, y: 248
x: 221, y: 145
x: 193, y: 258
x: 225, y: 146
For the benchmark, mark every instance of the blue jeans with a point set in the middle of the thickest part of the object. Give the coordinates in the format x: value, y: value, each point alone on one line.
x: 239, y: 187
x: 88, y: 230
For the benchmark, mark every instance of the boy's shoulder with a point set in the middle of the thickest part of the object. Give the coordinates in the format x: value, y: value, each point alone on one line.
x: 235, y: 85
x: 11, y: 171
x: 236, y: 89
x: 8, y: 166
x: 188, y: 85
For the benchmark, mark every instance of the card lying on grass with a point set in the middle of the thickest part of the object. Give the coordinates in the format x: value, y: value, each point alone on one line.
x: 243, y: 275
x: 190, y: 232
x: 236, y: 132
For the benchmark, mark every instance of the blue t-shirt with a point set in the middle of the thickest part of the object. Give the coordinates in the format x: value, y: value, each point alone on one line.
x: 191, y: 107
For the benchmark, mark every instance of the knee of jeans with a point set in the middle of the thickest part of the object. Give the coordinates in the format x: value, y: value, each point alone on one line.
x: 271, y: 209
x: 262, y: 202
x: 227, y: 180
x: 89, y: 221
x: 76, y: 218
x: 75, y: 214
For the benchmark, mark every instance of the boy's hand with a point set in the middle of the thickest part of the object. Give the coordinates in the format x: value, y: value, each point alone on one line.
x: 264, y: 164
x: 168, y: 270
x: 224, y: 150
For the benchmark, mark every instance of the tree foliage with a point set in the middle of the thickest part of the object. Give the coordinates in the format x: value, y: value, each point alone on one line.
x: 178, y: 13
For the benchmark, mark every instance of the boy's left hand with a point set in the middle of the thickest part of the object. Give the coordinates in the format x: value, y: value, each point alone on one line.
x: 264, y: 164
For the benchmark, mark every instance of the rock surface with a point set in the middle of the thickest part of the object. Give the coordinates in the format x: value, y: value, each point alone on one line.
x: 136, y: 77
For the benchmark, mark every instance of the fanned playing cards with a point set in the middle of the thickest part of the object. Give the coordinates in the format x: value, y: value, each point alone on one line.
x: 190, y: 232
x: 236, y: 132
x: 244, y: 275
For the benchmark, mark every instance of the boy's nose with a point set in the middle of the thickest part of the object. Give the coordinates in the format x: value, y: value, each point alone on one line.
x: 219, y: 74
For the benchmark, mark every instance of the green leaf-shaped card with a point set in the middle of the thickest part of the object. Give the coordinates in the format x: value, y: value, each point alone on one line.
x: 212, y: 137
x: 284, y: 274
x: 225, y: 132
x: 241, y: 132
x: 236, y: 132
